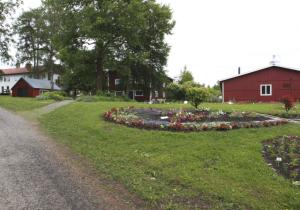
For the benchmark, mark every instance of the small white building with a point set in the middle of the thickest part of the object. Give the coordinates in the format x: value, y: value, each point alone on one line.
x: 9, y: 77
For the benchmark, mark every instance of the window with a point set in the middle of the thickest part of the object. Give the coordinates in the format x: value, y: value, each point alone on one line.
x: 139, y: 93
x: 266, y: 90
x: 117, y: 81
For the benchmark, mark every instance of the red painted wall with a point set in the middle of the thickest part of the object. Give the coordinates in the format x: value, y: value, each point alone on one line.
x: 246, y: 88
x: 112, y: 87
x: 21, y: 84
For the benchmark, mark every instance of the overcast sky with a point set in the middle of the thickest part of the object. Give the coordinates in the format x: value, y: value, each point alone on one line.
x: 214, y: 37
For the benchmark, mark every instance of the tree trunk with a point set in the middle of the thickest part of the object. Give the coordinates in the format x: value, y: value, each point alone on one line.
x: 99, y: 74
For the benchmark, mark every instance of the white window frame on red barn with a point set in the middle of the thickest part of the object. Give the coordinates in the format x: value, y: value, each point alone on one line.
x: 142, y: 93
x: 266, y: 85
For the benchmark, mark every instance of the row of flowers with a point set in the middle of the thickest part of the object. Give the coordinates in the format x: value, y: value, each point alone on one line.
x: 283, y: 153
x: 207, y: 115
x: 128, y: 118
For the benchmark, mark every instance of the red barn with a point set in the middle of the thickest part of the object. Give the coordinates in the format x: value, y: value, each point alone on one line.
x: 32, y: 87
x: 137, y: 90
x: 263, y: 85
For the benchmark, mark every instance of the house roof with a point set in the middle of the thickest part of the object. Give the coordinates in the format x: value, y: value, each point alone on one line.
x: 12, y: 71
x: 39, y: 84
x: 250, y: 72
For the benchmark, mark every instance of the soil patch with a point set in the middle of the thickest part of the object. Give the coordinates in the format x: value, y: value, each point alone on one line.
x: 283, y: 154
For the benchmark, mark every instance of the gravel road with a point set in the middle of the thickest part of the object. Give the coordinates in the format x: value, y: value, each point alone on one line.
x: 33, y: 176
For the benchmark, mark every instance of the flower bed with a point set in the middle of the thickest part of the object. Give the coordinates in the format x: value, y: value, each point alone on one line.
x: 283, y: 154
x: 199, y: 120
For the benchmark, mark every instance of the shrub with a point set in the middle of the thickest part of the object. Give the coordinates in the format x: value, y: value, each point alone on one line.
x: 175, y: 92
x: 55, y: 95
x: 288, y: 103
x: 197, y: 95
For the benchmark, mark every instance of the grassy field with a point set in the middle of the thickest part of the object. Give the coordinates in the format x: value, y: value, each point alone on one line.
x: 22, y: 104
x: 220, y: 170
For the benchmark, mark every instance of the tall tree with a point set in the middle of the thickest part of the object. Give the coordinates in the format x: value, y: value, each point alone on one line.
x: 7, y: 8
x: 37, y: 30
x: 30, y: 28
x: 185, y: 76
x: 115, y: 33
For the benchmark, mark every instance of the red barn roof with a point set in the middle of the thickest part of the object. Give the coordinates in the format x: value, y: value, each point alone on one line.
x: 250, y: 72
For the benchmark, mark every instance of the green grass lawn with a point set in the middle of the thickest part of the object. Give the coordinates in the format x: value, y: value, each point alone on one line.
x: 221, y: 170
x: 22, y: 104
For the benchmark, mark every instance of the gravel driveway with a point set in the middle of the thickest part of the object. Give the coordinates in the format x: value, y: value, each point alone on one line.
x: 32, y: 176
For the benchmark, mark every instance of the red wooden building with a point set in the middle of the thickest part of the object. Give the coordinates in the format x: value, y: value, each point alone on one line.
x: 137, y: 90
x: 32, y: 87
x: 263, y: 85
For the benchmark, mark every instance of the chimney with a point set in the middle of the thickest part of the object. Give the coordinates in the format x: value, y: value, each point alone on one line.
x: 239, y: 70
x: 18, y: 65
x: 28, y: 66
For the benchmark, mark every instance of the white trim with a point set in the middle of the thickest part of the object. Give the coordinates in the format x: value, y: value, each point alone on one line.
x: 138, y: 94
x: 122, y: 93
x: 223, y: 92
x: 117, y: 81
x: 266, y: 85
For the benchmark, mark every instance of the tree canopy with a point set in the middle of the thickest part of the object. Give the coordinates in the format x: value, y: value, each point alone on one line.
x: 185, y: 76
x: 7, y: 8
x: 115, y: 34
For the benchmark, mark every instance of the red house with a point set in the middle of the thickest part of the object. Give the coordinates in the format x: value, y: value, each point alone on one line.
x: 263, y: 85
x: 138, y: 90
x: 32, y: 87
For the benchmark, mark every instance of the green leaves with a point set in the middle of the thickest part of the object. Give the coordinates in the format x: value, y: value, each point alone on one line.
x: 7, y: 9
x: 197, y: 95
x: 129, y: 34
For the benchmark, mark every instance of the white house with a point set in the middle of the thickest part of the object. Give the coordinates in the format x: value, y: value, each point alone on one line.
x: 9, y: 77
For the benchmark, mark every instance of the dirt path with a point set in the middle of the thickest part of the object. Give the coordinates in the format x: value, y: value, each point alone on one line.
x: 36, y: 174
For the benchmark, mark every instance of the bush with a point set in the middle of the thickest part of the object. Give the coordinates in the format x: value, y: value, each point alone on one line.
x: 197, y: 95
x: 175, y: 92
x: 288, y: 102
x: 55, y: 95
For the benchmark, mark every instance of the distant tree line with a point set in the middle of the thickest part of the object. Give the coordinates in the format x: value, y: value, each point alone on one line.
x: 89, y: 37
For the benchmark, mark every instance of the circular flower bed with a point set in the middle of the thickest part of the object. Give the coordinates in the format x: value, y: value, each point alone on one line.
x: 188, y: 120
x: 283, y: 154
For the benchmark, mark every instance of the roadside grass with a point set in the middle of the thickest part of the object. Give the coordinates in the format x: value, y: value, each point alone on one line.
x: 22, y: 104
x: 206, y: 170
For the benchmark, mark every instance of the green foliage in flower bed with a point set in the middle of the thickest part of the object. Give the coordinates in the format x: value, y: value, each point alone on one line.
x: 283, y: 153
x: 187, y: 121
